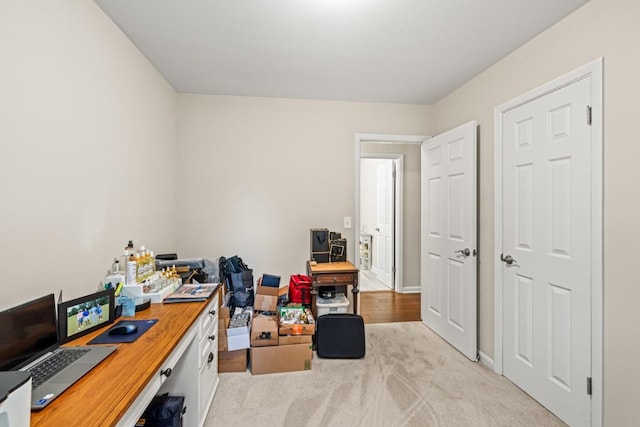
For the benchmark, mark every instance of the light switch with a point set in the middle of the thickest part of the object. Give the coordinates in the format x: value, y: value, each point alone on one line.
x: 347, y: 222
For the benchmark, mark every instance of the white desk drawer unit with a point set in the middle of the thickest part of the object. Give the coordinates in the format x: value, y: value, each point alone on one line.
x: 194, y: 357
x: 208, y: 358
x: 207, y: 331
x: 170, y: 377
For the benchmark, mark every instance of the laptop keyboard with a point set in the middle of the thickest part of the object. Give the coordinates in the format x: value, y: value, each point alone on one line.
x: 54, y: 364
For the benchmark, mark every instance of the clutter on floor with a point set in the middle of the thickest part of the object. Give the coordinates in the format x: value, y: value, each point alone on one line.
x: 271, y: 328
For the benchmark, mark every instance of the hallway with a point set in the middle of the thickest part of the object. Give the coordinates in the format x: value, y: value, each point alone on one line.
x: 389, y: 306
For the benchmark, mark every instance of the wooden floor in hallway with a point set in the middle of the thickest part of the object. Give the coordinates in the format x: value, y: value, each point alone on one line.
x: 389, y: 307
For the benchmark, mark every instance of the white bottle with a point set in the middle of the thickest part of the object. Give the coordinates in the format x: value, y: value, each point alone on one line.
x: 152, y: 262
x: 124, y: 259
x: 142, y: 264
x: 115, y: 268
x: 131, y: 271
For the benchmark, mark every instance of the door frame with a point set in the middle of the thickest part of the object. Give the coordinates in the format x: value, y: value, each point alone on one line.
x: 398, y: 210
x: 594, y: 70
x: 360, y: 138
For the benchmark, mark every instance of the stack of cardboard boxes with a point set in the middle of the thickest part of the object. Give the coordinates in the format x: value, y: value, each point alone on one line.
x: 269, y: 345
x: 231, y: 358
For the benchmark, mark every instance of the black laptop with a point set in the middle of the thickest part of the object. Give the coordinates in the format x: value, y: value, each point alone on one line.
x: 29, y: 342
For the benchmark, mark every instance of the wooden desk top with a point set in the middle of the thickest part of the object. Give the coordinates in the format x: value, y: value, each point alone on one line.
x: 103, y: 396
x: 332, y: 267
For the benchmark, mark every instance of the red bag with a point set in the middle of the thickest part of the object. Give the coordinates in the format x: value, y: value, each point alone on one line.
x: 300, y: 289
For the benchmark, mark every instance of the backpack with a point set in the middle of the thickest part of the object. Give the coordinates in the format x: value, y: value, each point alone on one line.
x: 238, y: 280
x: 300, y: 289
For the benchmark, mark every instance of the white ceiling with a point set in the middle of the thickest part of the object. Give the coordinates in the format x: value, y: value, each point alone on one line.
x: 404, y: 51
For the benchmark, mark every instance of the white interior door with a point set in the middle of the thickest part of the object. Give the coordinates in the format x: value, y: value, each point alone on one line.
x: 546, y: 250
x: 383, y: 249
x: 448, y: 261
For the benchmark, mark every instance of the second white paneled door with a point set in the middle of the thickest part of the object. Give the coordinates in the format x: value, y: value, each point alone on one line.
x: 546, y: 249
x: 448, y: 259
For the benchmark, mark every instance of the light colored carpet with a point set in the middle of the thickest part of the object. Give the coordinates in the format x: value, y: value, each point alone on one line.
x: 409, y: 377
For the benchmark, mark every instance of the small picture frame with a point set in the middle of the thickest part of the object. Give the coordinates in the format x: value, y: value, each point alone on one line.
x: 82, y: 315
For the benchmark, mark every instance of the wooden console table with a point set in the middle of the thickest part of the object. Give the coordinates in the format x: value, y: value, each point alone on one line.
x: 333, y: 274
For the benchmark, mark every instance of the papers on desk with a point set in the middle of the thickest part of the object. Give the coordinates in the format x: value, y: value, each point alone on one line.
x: 191, y: 293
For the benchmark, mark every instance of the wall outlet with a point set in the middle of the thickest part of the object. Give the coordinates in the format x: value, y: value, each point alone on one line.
x: 347, y: 222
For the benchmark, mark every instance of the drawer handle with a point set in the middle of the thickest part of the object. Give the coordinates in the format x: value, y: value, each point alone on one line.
x: 210, y: 358
x: 166, y: 372
x: 335, y: 279
x: 212, y: 337
x: 212, y: 313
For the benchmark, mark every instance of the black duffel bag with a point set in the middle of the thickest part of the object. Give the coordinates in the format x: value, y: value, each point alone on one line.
x: 163, y: 411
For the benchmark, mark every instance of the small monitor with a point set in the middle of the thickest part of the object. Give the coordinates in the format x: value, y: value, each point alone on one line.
x: 82, y: 315
x: 270, y: 280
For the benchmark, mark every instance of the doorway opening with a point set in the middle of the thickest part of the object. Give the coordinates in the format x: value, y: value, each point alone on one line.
x: 380, y: 181
x: 403, y: 151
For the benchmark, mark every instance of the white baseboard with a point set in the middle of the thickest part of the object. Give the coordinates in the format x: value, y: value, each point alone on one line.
x: 486, y: 360
x: 407, y: 289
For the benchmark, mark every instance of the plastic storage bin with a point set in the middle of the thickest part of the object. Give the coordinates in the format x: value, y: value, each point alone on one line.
x: 339, y: 304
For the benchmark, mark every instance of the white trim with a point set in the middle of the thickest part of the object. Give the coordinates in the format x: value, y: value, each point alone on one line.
x: 411, y: 289
x: 497, y: 235
x: 597, y: 245
x: 594, y: 70
x: 390, y: 139
x: 485, y: 360
x: 384, y: 139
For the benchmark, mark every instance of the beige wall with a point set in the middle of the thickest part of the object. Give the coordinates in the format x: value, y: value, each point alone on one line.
x: 257, y: 173
x: 87, y: 141
x: 412, y: 197
x: 602, y: 28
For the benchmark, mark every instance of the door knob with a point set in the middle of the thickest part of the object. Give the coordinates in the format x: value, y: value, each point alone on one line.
x: 465, y: 252
x: 377, y: 228
x: 507, y: 259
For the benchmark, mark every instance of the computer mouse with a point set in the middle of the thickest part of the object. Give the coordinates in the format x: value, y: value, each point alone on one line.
x: 123, y: 329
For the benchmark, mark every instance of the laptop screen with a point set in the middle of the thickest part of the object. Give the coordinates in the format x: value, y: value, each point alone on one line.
x: 27, y: 332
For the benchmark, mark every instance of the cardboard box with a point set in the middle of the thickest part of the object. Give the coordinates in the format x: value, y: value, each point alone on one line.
x: 282, y: 358
x: 222, y: 334
x: 232, y: 361
x: 308, y: 328
x: 264, y: 330
x: 221, y: 290
x: 223, y: 313
x: 295, y: 339
x: 297, y: 329
x: 223, y: 322
x: 266, y: 297
x: 233, y: 342
x: 238, y: 329
x: 238, y: 338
